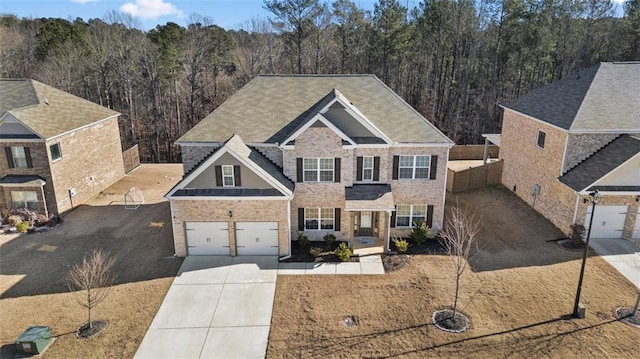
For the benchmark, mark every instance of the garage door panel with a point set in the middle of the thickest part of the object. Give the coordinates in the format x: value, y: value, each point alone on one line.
x: 608, y: 221
x: 208, y: 238
x: 257, y: 238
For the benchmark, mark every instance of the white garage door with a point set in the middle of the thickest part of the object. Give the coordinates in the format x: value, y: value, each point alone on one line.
x: 608, y: 221
x: 208, y: 238
x: 257, y: 238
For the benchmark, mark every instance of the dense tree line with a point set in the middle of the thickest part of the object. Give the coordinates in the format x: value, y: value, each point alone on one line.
x: 454, y: 61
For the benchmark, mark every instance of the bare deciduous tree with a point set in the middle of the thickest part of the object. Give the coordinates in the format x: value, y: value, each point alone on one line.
x: 91, y: 280
x: 458, y: 237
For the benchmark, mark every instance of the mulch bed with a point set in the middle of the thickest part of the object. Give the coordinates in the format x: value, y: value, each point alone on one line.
x: 430, y: 246
x: 624, y: 315
x: 445, y: 320
x: 393, y: 262
x: 97, y: 326
x: 570, y: 245
x: 301, y: 253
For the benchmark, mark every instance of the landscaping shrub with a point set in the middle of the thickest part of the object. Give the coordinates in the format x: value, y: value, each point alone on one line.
x: 329, y: 239
x: 420, y: 232
x: 315, y: 251
x: 14, y: 220
x: 401, y: 244
x: 22, y: 227
x: 577, y: 233
x: 343, y: 252
x: 302, y: 239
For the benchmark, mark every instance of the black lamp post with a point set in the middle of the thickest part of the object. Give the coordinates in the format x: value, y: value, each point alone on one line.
x: 595, y: 197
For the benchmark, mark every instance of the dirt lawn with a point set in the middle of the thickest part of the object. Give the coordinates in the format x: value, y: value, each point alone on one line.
x: 517, y: 293
x: 32, y: 268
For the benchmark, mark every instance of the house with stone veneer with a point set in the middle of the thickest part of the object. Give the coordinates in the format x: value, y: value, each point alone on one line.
x: 59, y: 149
x: 572, y: 137
x: 315, y: 154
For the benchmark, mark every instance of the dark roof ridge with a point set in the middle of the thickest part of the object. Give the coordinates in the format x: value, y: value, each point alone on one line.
x: 316, y: 75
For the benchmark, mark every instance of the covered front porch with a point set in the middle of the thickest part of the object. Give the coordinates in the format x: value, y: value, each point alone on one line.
x: 369, y: 207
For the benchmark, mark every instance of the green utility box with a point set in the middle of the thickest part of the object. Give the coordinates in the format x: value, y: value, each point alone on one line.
x: 34, y: 340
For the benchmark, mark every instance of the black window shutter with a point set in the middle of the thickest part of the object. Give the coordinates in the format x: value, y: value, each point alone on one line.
x: 430, y: 216
x: 393, y: 218
x: 434, y: 167
x: 376, y: 168
x: 359, y: 169
x: 396, y: 163
x: 299, y: 170
x: 27, y: 153
x: 7, y: 150
x: 336, y: 226
x: 218, y: 176
x: 301, y: 219
x: 236, y: 176
x: 336, y: 176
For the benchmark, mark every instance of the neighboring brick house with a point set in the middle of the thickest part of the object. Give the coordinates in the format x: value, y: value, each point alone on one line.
x: 59, y: 150
x: 565, y: 140
x: 319, y: 154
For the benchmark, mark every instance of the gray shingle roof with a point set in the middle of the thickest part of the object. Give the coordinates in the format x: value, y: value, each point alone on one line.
x: 366, y: 192
x: 605, y: 97
x: 46, y: 110
x: 602, y: 162
x: 18, y: 179
x: 269, y: 107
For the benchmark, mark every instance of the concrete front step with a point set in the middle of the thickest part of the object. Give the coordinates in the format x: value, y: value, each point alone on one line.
x: 367, y: 251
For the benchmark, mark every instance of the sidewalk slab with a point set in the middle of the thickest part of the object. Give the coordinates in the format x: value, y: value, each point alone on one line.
x: 224, y: 342
x: 321, y: 268
x: 248, y: 304
x: 188, y: 306
x: 348, y: 268
x: 183, y: 343
x: 293, y: 268
x: 372, y: 268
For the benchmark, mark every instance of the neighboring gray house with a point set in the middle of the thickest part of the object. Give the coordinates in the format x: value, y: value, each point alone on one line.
x: 319, y: 154
x: 577, y: 135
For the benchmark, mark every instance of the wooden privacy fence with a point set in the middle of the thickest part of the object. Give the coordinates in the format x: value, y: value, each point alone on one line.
x: 131, y: 158
x: 473, y: 178
x: 472, y: 152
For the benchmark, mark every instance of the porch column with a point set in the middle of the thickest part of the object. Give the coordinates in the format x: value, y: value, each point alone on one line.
x: 387, y: 239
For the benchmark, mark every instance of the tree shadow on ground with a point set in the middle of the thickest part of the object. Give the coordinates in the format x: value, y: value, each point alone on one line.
x: 140, y: 240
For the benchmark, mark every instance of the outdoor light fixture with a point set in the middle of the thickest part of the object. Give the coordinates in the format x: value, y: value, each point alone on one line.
x: 230, y: 213
x: 577, y: 312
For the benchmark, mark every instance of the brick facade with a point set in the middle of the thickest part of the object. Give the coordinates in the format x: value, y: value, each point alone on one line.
x: 526, y: 165
x: 243, y: 211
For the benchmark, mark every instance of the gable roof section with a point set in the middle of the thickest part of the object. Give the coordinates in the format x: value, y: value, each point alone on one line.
x: 607, y: 159
x: 47, y: 111
x: 252, y: 159
x: 601, y: 98
x: 270, y: 107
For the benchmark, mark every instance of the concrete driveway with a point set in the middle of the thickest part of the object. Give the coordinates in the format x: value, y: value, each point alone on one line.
x: 623, y: 255
x: 217, y: 307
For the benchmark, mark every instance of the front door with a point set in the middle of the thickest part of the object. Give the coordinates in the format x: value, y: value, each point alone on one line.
x: 366, y: 224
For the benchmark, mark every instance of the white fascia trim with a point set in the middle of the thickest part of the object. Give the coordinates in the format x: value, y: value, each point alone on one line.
x: 229, y: 198
x: 608, y: 173
x: 83, y: 127
x: 20, y: 140
x: 40, y: 183
x: 267, y: 177
x: 262, y: 144
x: 369, y: 210
x: 425, y: 144
x: 354, y: 112
x: 611, y: 193
x: 535, y: 119
x: 321, y: 118
x: 209, y: 144
x: 607, y: 131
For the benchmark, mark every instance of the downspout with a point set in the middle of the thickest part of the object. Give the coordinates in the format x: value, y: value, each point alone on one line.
x: 387, y: 241
x: 44, y: 202
x: 575, y: 208
x: 288, y: 231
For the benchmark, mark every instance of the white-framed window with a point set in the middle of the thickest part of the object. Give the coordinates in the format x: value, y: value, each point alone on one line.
x: 56, y: 152
x: 413, y: 167
x: 319, y: 219
x: 408, y: 215
x: 227, y: 176
x: 19, y: 155
x: 540, y: 139
x: 367, y: 168
x: 318, y: 169
x: 25, y: 200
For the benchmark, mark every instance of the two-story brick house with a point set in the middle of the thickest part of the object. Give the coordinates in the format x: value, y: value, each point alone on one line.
x: 323, y: 154
x: 59, y: 150
x: 565, y: 140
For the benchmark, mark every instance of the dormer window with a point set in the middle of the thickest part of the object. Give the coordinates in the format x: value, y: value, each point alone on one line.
x: 227, y: 176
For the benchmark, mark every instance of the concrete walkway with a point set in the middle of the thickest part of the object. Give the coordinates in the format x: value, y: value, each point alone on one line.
x: 367, y: 265
x: 217, y: 307
x: 623, y: 255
